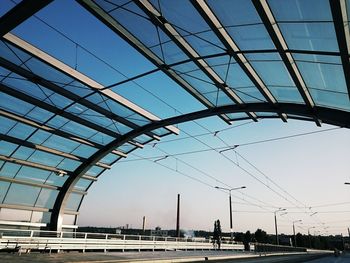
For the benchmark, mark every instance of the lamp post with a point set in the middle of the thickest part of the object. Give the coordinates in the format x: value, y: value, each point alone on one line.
x: 230, y: 204
x: 279, y: 210
x: 308, y: 232
x: 295, y: 239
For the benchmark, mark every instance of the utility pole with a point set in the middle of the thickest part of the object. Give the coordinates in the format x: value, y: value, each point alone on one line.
x: 279, y: 210
x: 295, y: 238
x: 231, y: 227
x: 178, y: 217
x: 230, y: 204
x: 308, y: 232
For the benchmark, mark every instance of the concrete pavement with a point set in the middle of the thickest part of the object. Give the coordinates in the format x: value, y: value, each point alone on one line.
x: 169, y: 256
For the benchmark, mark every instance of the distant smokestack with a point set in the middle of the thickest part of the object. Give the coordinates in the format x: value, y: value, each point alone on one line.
x: 178, y: 217
x: 143, y: 224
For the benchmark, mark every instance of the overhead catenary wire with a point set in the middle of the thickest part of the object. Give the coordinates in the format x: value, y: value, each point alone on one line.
x: 234, y: 162
x: 202, y: 182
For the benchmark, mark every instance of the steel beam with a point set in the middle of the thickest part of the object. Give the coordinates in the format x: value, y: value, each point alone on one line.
x: 109, y: 21
x: 233, y: 50
x: 327, y: 115
x: 341, y: 25
x: 160, y: 21
x: 272, y: 28
x: 25, y: 207
x: 48, y: 150
x: 89, y: 177
x: 34, y: 208
x: 21, y: 12
x: 70, y: 116
x: 29, y: 183
x: 53, y: 62
x: 64, y: 92
x: 35, y: 184
x: 34, y: 165
x: 34, y: 146
x: 16, y: 223
x: 43, y: 167
x: 58, y: 132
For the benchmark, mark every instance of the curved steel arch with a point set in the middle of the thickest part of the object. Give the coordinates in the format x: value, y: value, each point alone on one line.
x: 326, y: 115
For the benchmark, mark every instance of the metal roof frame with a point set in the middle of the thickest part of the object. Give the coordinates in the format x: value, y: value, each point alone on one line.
x: 133, y: 41
x: 310, y: 111
x: 340, y: 18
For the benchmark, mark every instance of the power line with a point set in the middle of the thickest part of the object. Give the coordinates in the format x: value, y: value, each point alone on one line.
x: 201, y: 181
x: 253, y: 142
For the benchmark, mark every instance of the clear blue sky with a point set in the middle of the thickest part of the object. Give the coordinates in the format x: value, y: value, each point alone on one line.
x: 312, y: 169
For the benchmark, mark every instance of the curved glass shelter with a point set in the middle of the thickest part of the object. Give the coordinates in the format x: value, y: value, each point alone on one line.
x: 68, y: 111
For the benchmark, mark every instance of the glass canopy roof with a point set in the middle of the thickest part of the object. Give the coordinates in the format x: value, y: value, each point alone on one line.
x: 72, y: 77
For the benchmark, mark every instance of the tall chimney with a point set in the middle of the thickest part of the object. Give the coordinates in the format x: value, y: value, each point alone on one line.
x: 143, y: 224
x: 178, y: 216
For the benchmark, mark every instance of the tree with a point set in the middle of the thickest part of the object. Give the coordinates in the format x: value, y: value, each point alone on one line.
x: 246, y: 240
x: 261, y: 236
x: 217, y: 233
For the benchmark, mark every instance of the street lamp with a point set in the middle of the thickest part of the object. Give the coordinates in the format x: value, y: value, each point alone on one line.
x: 308, y: 232
x: 279, y: 210
x: 295, y: 239
x: 230, y: 204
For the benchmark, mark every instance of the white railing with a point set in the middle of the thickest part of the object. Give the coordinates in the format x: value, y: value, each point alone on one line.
x: 24, y: 240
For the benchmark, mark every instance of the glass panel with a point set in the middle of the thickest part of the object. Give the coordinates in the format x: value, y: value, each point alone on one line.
x: 82, y: 184
x: 266, y: 114
x: 182, y: 15
x: 14, y: 105
x: 74, y: 201
x: 47, y: 198
x: 281, y: 85
x: 7, y: 148
x: 12, y: 54
x: 324, y: 77
x: 6, y: 124
x: 6, y: 5
x: 56, y: 180
x: 251, y: 37
x: 9, y: 169
x: 94, y: 171
x: 45, y: 158
x: 101, y: 138
x: 71, y: 127
x: 84, y: 151
x: 143, y: 139
x: 61, y: 144
x: 237, y: 115
x: 22, y: 195
x: 3, y: 190
x: 68, y: 164
x: 32, y: 174
x: 23, y: 153
x: 41, y: 217
x: 68, y: 219
x: 301, y: 10
x: 243, y: 24
x: 310, y: 36
x: 21, y: 131
x: 238, y: 12
x: 126, y: 147
x: 39, y: 137
x: 109, y: 158
x: 15, y: 215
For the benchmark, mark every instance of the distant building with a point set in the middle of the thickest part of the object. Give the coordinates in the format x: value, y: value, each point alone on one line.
x: 159, y: 232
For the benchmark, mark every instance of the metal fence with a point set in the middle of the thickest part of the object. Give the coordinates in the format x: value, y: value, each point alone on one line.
x: 26, y: 240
